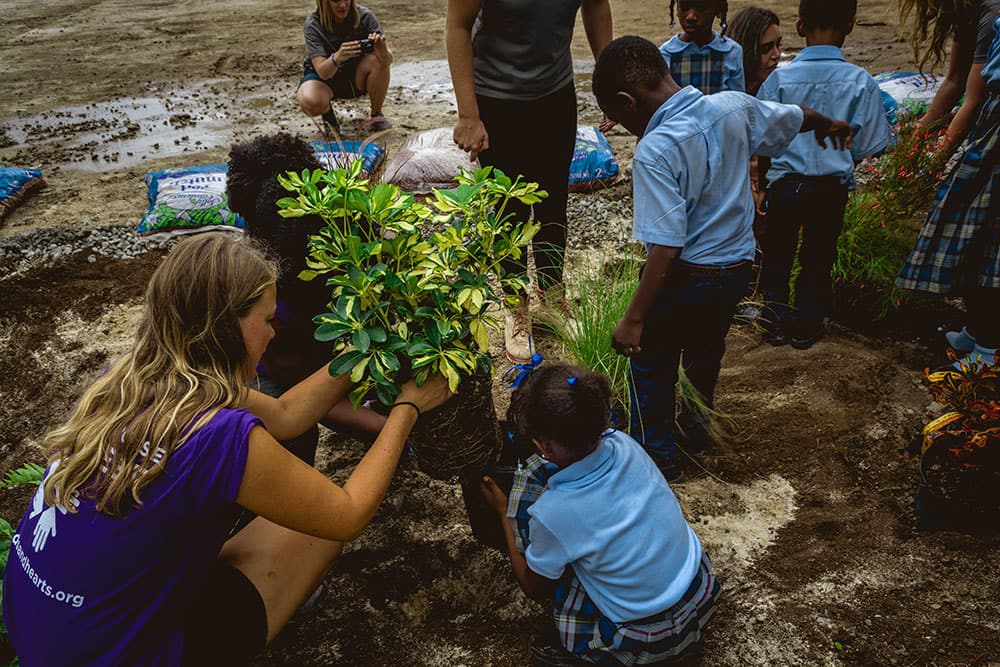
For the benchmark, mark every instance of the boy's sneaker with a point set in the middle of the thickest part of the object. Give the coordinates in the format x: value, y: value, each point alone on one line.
x: 807, y: 334
x: 773, y: 331
x: 377, y: 123
x: 517, y: 333
x: 331, y: 124
x: 747, y: 312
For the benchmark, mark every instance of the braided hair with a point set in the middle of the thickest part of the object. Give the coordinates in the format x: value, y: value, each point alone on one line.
x: 721, y: 8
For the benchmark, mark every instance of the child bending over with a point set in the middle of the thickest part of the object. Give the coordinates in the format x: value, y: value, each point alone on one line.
x: 698, y: 56
x: 808, y: 186
x: 599, y: 533
x: 694, y: 212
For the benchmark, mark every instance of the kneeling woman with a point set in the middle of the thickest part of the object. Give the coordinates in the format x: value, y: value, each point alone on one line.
x: 346, y: 56
x: 123, y: 557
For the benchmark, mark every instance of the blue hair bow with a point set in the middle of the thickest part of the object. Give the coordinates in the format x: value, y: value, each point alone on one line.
x: 523, y: 370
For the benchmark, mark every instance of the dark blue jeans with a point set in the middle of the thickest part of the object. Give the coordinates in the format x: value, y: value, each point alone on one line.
x: 687, y: 325
x: 817, y: 206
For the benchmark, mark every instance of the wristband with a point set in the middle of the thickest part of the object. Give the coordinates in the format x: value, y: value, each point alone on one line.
x: 412, y: 405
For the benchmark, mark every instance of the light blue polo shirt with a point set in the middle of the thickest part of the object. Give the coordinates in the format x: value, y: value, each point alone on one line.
x: 732, y: 75
x: 614, y: 519
x: 690, y: 181
x: 991, y: 70
x: 820, y: 78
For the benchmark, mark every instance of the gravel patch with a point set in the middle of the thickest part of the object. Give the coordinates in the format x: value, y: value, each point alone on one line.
x: 42, y: 246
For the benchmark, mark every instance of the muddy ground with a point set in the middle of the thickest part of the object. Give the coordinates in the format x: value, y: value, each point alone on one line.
x: 807, y: 512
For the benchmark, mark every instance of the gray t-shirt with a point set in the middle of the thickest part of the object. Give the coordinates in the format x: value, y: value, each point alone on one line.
x: 521, y: 47
x: 978, y: 27
x: 319, y: 42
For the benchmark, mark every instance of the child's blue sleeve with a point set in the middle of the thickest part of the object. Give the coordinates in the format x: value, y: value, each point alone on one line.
x: 546, y: 555
x: 773, y: 126
x: 660, y: 208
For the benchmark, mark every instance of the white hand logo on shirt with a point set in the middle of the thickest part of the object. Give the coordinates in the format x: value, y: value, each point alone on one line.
x: 46, y: 525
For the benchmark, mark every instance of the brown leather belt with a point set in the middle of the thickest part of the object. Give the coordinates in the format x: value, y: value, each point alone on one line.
x: 710, y: 269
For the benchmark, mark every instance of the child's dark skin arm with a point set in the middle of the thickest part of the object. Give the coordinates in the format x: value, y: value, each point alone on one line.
x: 628, y: 332
x: 840, y: 132
x: 534, y: 585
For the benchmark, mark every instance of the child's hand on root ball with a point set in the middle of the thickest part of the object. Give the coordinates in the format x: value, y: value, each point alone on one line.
x: 495, y: 497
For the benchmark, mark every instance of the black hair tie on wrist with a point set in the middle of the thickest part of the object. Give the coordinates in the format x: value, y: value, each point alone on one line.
x: 412, y: 405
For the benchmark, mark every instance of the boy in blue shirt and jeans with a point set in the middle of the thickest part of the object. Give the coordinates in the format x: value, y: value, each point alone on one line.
x: 809, y: 186
x: 694, y: 212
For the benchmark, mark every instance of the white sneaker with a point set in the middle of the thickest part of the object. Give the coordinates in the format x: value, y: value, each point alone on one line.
x: 517, y: 333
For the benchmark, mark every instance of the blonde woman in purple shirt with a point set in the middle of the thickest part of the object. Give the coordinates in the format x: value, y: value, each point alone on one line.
x: 122, y: 556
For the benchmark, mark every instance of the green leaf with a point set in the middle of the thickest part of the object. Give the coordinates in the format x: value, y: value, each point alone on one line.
x: 419, y: 348
x: 29, y: 473
x: 386, y: 393
x: 390, y: 360
x: 377, y: 335
x: 359, y: 369
x: 344, y: 362
x: 331, y: 331
x: 361, y: 340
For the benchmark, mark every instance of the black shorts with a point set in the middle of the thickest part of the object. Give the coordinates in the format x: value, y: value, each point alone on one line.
x: 342, y: 81
x: 226, y: 624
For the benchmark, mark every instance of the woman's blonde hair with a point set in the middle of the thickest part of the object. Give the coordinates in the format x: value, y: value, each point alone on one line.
x: 189, y: 361
x: 933, y: 22
x: 326, y: 15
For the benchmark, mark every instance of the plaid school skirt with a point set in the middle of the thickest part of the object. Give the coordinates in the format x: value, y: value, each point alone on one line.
x: 959, y: 244
x: 587, y: 633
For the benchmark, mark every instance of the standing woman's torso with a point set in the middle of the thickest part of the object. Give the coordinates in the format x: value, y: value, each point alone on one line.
x: 521, y: 48
x: 974, y: 28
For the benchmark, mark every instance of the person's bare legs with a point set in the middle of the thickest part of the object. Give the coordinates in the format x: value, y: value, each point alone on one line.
x: 286, y: 566
x: 373, y: 76
x: 314, y: 98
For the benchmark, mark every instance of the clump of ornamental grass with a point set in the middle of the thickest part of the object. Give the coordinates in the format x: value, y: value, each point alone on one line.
x: 585, y: 330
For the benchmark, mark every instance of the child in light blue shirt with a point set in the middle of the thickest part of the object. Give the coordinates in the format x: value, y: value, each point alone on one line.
x: 809, y: 186
x: 605, y: 539
x: 699, y: 56
x: 694, y: 212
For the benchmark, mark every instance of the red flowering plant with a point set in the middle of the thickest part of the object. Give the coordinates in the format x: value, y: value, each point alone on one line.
x: 883, y: 216
x: 960, y: 452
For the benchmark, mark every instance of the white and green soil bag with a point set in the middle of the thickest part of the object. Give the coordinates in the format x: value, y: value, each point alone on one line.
x: 188, y: 200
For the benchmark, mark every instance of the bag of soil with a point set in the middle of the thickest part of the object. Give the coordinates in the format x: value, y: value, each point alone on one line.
x: 15, y: 185
x: 594, y: 165
x: 428, y: 160
x: 188, y: 200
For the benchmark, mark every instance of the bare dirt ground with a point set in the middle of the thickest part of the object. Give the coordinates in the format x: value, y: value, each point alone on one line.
x: 806, y: 512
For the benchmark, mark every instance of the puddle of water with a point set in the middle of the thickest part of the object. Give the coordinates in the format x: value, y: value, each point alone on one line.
x: 203, y: 115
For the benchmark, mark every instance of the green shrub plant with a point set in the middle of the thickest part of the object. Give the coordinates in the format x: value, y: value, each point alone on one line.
x: 413, y: 285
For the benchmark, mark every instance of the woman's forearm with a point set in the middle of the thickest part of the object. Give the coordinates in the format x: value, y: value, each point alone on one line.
x: 597, y: 23
x: 458, y: 42
x: 301, y: 407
